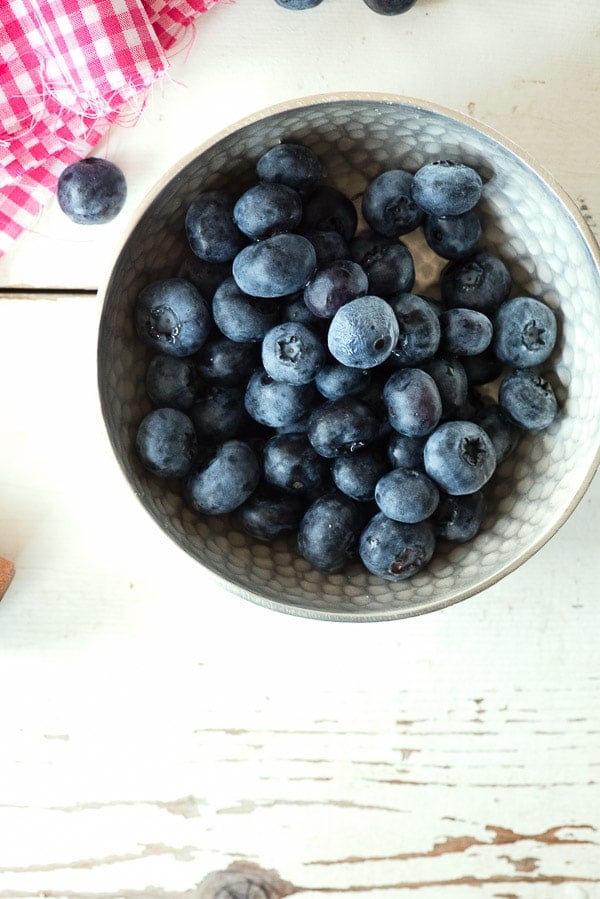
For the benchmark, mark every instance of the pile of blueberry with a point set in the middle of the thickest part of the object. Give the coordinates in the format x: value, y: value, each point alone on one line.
x: 298, y: 382
x: 383, y: 7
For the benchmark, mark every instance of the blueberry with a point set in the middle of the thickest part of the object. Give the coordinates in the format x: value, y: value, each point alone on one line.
x: 342, y: 427
x: 333, y: 285
x: 388, y: 264
x: 445, y: 187
x: 210, y: 229
x: 329, y: 246
x: 171, y: 381
x: 413, y: 402
x: 451, y: 381
x: 419, y: 329
x: 460, y: 457
x: 229, y: 362
x: 527, y: 399
x: 328, y: 532
x: 225, y: 481
x: 218, y: 413
x: 459, y: 518
x: 387, y: 205
x: 406, y: 494
x: 166, y: 443
x: 524, y: 332
x: 291, y: 164
x: 335, y: 380
x: 480, y: 282
x: 482, y: 368
x: 390, y: 7
x: 503, y: 434
x: 357, y: 475
x: 363, y: 332
x: 267, y: 517
x: 298, y: 4
x: 268, y: 209
x: 291, y: 464
x: 394, y: 550
x: 241, y: 317
x: 465, y: 332
x: 171, y: 316
x: 292, y: 353
x: 328, y: 209
x: 205, y: 276
x: 405, y: 452
x: 276, y: 266
x: 453, y: 236
x: 274, y: 403
x: 91, y: 191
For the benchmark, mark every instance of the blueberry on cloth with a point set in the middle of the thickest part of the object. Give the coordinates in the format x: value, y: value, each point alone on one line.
x: 91, y: 191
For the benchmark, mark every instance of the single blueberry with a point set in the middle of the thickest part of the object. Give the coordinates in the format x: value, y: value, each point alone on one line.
x: 172, y: 381
x: 241, y: 317
x: 390, y: 7
x: 453, y: 236
x: 298, y: 4
x: 357, y: 475
x: 267, y: 517
x: 460, y: 457
x: 291, y: 464
x: 328, y: 209
x: 388, y: 264
x: 225, y: 481
x: 413, y: 402
x: 267, y: 209
x: 418, y: 330
x: 328, y: 532
x: 480, y: 282
x: 335, y: 380
x: 292, y: 164
x: 342, y: 427
x: 527, y: 399
x: 229, y: 362
x: 166, y: 443
x: 218, y: 413
x: 292, y: 353
x: 276, y: 266
x: 394, y: 550
x: 171, y: 316
x: 387, y: 205
x: 451, y: 381
x: 274, y: 403
x: 446, y: 187
x: 329, y: 246
x: 406, y: 494
x: 333, y: 285
x: 363, y: 332
x: 210, y: 229
x: 91, y: 191
x: 405, y: 452
x: 524, y: 332
x: 459, y: 518
x: 465, y: 332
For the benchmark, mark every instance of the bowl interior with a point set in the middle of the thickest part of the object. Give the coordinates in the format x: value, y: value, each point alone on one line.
x: 526, y: 221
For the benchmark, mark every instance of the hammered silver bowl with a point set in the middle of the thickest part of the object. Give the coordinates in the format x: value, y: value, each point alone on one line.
x: 528, y: 221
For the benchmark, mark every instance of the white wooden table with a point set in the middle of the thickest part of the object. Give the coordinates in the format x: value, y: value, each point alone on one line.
x: 155, y: 729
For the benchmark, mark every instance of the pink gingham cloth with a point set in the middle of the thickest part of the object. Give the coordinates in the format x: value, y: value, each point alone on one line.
x: 68, y: 70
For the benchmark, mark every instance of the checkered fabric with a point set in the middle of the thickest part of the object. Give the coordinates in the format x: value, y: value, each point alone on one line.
x: 68, y: 70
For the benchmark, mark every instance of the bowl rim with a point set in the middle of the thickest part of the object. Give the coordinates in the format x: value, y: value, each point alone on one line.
x: 323, y: 99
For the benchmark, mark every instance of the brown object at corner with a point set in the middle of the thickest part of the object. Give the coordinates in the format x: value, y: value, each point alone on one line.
x: 7, y: 572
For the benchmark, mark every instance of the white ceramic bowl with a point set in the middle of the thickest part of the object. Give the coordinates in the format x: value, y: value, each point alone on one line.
x: 527, y: 220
